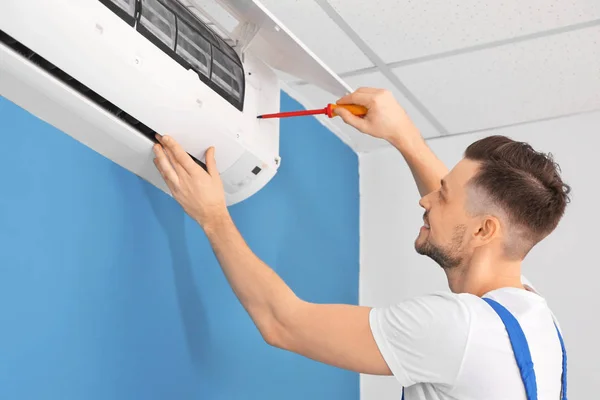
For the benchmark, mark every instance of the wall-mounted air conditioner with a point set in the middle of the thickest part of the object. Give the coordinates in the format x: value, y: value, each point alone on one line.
x: 112, y: 73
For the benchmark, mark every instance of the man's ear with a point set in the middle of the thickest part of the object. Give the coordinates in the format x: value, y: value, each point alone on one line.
x: 487, y: 230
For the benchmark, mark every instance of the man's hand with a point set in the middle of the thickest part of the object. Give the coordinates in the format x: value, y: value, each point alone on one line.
x: 385, y: 118
x: 199, y: 192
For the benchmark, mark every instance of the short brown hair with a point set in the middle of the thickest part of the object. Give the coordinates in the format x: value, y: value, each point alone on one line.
x: 524, y: 183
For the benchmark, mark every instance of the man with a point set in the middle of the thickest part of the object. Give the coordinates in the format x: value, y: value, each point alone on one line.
x: 480, y: 221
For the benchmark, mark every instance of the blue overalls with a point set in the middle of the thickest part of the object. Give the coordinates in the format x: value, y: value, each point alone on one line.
x: 522, y: 354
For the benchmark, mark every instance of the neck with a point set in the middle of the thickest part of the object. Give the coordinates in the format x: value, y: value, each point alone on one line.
x: 482, y: 274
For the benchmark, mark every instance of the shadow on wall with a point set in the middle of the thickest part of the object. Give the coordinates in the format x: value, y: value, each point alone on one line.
x: 193, y: 315
x: 172, y: 221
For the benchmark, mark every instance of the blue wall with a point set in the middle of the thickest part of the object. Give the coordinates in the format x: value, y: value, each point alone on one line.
x: 109, y: 291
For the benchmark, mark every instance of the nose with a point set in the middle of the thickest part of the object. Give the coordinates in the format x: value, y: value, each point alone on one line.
x: 425, y: 202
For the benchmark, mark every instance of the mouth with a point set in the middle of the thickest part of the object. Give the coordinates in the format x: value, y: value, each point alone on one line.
x: 426, y: 227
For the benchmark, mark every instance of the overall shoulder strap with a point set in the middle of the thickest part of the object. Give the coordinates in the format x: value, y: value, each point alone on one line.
x: 519, y: 346
x: 563, y: 393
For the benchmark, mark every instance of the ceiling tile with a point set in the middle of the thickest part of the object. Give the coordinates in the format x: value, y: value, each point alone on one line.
x: 541, y: 78
x: 307, y: 21
x: 402, y: 29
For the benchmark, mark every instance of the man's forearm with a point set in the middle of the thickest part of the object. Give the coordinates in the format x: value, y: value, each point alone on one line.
x: 265, y: 296
x: 426, y: 168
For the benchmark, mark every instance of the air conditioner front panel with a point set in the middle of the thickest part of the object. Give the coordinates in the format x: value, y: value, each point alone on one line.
x: 92, y: 44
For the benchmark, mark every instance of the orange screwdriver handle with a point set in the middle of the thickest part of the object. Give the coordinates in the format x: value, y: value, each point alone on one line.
x: 355, y: 109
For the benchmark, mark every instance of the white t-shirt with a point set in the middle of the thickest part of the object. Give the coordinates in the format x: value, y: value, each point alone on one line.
x: 449, y: 346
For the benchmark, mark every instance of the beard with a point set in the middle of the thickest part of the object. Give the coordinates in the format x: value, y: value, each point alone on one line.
x: 448, y: 257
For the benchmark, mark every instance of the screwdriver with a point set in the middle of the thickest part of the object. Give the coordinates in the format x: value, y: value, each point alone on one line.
x: 353, y: 108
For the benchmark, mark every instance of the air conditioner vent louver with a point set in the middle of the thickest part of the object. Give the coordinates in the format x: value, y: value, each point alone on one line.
x: 81, y: 88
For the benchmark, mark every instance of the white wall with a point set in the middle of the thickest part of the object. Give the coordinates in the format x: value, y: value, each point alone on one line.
x: 565, y: 267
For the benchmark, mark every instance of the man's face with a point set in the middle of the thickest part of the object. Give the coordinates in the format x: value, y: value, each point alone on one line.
x: 447, y: 228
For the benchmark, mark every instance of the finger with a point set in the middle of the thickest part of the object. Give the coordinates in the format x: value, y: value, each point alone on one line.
x: 168, y: 182
x: 360, y: 98
x: 351, y: 119
x: 211, y: 163
x: 179, y: 155
x: 165, y: 168
x: 360, y: 90
x: 178, y: 168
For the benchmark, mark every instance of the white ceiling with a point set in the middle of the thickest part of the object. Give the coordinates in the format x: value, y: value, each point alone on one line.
x: 455, y: 65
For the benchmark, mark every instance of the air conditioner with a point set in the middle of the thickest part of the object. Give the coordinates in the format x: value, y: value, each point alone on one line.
x: 112, y: 73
